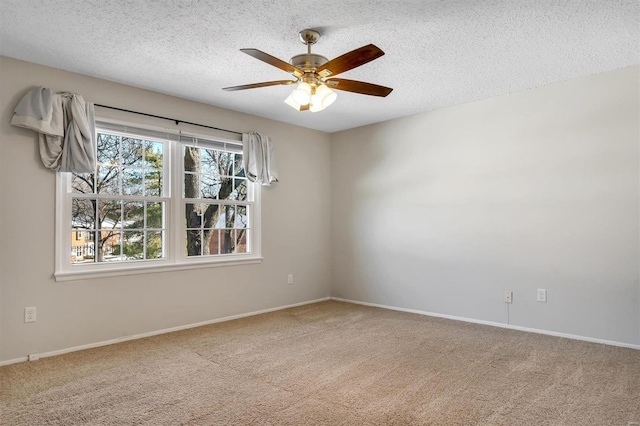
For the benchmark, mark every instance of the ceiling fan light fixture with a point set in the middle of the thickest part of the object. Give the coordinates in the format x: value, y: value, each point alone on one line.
x: 302, y: 94
x: 310, y: 71
x: 320, y: 98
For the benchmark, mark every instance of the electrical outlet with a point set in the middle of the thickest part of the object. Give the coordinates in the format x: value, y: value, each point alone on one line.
x: 34, y: 357
x: 30, y: 314
x: 508, y: 297
x: 542, y: 295
x: 290, y: 279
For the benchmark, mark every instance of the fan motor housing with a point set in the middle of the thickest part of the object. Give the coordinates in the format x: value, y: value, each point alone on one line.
x: 308, y: 62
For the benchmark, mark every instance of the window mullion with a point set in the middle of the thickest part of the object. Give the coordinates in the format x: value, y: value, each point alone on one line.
x: 216, y: 201
x: 145, y: 234
x: 178, y: 226
x: 119, y: 197
x: 119, y: 167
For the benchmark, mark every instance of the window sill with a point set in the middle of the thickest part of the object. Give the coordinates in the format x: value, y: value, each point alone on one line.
x: 150, y: 269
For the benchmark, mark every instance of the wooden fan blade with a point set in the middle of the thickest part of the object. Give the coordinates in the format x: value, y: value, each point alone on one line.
x: 358, y: 87
x: 256, y: 85
x: 272, y: 60
x: 350, y: 60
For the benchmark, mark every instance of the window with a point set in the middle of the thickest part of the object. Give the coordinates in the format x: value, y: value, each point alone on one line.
x: 122, y: 204
x: 140, y: 210
x: 215, y: 193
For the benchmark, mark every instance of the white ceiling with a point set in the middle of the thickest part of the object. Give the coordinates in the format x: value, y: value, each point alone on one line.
x: 438, y: 53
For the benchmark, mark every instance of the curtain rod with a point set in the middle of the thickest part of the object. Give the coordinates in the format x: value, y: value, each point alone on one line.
x: 168, y: 118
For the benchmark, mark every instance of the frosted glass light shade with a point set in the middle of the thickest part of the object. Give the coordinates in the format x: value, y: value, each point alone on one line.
x: 302, y: 94
x: 293, y: 104
x: 324, y: 96
x: 315, y: 107
x: 304, y: 97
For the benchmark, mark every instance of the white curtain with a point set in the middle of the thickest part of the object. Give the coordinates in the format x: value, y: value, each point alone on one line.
x: 66, y: 127
x: 259, y: 158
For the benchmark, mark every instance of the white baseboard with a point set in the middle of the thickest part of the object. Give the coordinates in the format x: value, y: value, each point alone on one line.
x: 155, y: 333
x: 491, y: 323
x: 339, y: 299
x: 14, y: 361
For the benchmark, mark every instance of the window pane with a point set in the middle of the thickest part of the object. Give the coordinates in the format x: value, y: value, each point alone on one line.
x: 82, y: 183
x: 133, y: 214
x: 191, y: 159
x: 153, y: 155
x: 213, y: 241
x: 210, y: 186
x: 229, y: 216
x: 241, y: 241
x: 154, y: 245
x: 154, y: 215
x: 226, y: 188
x: 239, y: 190
x: 209, y: 162
x: 191, y: 185
x: 241, y: 217
x: 108, y: 246
x: 83, y: 213
x: 82, y: 246
x: 108, y: 149
x: 194, y: 221
x: 227, y: 240
x: 153, y: 183
x: 225, y: 163
x: 109, y: 214
x: 210, y: 213
x: 194, y: 242
x: 193, y: 215
x: 133, y: 245
x: 108, y: 180
x: 131, y: 152
x: 238, y: 167
x: 132, y: 181
x: 216, y: 213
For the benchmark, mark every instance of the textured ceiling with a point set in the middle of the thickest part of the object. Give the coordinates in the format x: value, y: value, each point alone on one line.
x: 438, y: 52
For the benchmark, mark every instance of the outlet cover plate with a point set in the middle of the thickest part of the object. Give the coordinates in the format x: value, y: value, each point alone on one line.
x: 508, y: 297
x: 30, y: 314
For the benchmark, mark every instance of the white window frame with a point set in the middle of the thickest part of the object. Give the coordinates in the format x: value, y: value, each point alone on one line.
x: 174, y: 239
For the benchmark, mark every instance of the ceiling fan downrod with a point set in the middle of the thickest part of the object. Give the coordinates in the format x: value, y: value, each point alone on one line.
x: 308, y: 62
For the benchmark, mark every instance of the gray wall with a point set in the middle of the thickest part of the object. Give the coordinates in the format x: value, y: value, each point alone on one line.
x: 444, y: 211
x: 295, y: 217
x: 440, y: 212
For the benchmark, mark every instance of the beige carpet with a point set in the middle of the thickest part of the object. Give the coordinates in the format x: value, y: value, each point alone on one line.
x: 330, y: 363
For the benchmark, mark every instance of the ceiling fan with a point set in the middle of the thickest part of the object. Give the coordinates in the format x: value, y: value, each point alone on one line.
x: 314, y: 74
